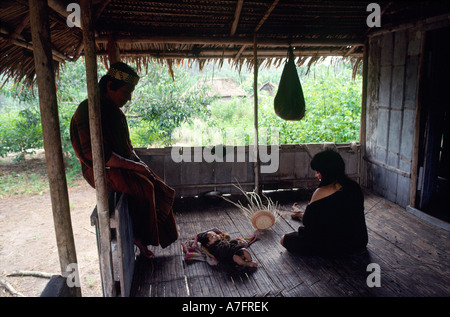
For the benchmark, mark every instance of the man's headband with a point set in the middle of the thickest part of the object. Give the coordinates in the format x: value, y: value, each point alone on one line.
x: 120, y: 75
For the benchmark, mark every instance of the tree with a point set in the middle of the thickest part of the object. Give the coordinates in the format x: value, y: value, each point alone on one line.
x: 161, y: 104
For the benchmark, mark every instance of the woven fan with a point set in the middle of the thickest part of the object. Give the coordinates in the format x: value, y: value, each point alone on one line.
x: 261, y: 216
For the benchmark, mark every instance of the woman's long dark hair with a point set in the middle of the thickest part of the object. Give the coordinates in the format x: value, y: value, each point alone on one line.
x: 330, y: 164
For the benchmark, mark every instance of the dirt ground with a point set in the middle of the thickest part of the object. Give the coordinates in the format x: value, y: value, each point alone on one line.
x: 28, y: 241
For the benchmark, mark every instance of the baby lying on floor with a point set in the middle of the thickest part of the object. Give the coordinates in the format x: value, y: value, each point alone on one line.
x: 225, y: 250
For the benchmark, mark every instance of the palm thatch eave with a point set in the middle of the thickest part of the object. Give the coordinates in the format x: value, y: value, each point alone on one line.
x: 180, y: 31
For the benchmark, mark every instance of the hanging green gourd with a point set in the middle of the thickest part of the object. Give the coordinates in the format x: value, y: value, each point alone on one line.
x: 289, y: 103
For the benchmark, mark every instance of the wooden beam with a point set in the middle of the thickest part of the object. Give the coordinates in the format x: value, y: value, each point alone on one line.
x: 350, y: 51
x: 237, y: 15
x: 105, y: 253
x: 387, y: 167
x: 363, y: 119
x: 98, y: 13
x: 78, y: 51
x: 238, y: 54
x: 381, y: 14
x: 153, y: 39
x: 45, y: 76
x: 100, y: 8
x: 231, y: 54
x: 255, y: 93
x: 421, y: 81
x: 14, y: 35
x: 255, y: 115
x: 60, y: 6
x: 264, y: 18
x: 19, y: 41
x: 113, y: 52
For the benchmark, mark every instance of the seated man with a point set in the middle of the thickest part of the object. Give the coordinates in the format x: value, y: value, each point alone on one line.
x: 150, y: 199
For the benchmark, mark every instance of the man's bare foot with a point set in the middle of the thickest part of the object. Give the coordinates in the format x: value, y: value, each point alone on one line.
x: 143, y: 249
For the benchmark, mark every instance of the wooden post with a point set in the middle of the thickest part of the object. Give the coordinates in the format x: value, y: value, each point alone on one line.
x: 255, y: 113
x: 416, y: 145
x: 98, y: 159
x: 363, y: 120
x: 113, y: 51
x: 40, y: 33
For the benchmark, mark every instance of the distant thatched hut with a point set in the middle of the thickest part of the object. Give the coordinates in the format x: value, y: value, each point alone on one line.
x: 221, y: 87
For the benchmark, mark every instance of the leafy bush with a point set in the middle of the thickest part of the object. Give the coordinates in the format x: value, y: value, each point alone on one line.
x: 333, y: 108
x: 20, y: 127
x: 160, y: 105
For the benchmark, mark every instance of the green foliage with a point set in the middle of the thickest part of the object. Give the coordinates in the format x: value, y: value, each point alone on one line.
x: 332, y: 114
x: 161, y: 104
x: 333, y: 108
x: 71, y: 90
x: 20, y: 126
x: 227, y: 113
x: 164, y: 111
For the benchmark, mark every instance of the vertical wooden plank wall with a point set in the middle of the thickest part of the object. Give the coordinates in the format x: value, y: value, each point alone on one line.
x: 391, y: 112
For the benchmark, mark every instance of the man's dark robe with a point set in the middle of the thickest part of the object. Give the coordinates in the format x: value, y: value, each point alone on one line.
x: 150, y: 199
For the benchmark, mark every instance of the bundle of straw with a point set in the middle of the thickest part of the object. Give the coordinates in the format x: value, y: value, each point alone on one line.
x: 262, y: 216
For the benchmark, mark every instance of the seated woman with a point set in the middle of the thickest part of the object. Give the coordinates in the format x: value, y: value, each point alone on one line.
x: 333, y: 221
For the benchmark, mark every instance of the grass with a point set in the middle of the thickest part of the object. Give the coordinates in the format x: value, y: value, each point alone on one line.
x: 27, y: 177
x: 22, y: 184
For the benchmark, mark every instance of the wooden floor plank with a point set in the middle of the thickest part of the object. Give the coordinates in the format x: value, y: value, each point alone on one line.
x: 410, y: 233
x: 413, y: 257
x: 331, y: 281
x: 399, y: 268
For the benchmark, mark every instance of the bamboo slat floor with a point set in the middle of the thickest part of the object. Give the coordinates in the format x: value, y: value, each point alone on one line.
x: 412, y: 255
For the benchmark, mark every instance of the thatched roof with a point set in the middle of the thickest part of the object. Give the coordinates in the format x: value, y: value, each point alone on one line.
x: 204, y: 30
x: 221, y: 87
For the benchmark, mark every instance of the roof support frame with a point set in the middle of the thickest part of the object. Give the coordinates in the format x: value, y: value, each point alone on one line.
x: 17, y: 40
